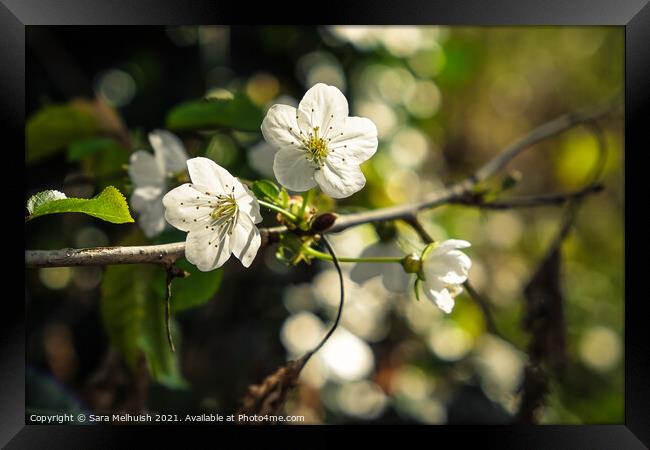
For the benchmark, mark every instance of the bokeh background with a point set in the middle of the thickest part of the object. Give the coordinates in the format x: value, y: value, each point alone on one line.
x: 445, y: 100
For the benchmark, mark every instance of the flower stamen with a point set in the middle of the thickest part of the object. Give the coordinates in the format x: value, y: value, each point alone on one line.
x: 226, y: 213
x: 317, y: 148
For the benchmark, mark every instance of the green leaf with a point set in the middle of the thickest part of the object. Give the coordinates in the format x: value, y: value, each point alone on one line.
x: 238, y: 113
x: 99, y: 157
x: 53, y: 127
x: 266, y: 190
x: 192, y: 291
x: 161, y: 361
x: 37, y: 200
x: 134, y: 317
x: 84, y: 148
x: 122, y: 307
x: 284, y: 198
x: 110, y: 205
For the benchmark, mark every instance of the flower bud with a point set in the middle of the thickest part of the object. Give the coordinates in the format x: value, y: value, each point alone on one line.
x: 412, y: 263
x: 324, y: 222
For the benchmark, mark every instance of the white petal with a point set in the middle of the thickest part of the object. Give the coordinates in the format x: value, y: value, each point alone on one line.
x: 170, y: 151
x: 339, y: 179
x: 181, y: 207
x: 325, y: 107
x: 144, y: 170
x: 438, y: 293
x: 147, y: 202
x: 451, y: 267
x: 293, y: 170
x: 357, y: 141
x: 207, y: 173
x: 245, y: 240
x: 207, y: 249
x: 450, y: 244
x: 442, y: 298
x: 280, y: 127
x: 247, y: 202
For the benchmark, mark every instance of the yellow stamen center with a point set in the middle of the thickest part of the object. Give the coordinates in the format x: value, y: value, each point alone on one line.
x: 317, y: 148
x: 226, y: 212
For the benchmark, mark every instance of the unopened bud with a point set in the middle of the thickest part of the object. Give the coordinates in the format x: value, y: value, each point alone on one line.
x: 324, y: 222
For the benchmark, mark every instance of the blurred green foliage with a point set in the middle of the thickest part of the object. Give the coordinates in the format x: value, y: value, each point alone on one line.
x: 134, y: 317
x: 196, y: 289
x: 56, y: 126
x: 237, y: 113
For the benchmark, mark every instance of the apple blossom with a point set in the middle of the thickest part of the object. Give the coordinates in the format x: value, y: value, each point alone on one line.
x: 318, y: 144
x: 444, y: 269
x: 218, y: 212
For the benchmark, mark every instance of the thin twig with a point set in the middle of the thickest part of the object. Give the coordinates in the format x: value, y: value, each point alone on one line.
x: 172, y: 272
x: 269, y: 396
x: 484, y: 304
x: 339, y: 313
x: 531, y: 201
x: 459, y: 190
x: 168, y: 313
x: 413, y: 221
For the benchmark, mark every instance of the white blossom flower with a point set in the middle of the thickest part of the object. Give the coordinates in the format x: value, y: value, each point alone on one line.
x: 219, y: 214
x: 445, y: 269
x: 318, y: 144
x: 150, y: 175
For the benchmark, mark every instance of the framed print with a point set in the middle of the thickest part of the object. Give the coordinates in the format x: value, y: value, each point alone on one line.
x: 404, y: 218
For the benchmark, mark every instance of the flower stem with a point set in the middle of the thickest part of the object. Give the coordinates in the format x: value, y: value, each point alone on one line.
x: 278, y: 209
x: 376, y: 259
x: 305, y: 200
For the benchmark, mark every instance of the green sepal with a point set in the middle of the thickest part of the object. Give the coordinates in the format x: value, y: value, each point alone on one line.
x: 416, y: 287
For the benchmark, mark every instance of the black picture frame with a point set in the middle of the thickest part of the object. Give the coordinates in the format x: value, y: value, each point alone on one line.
x: 634, y: 15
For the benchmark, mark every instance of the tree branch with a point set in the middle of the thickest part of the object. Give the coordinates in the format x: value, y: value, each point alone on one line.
x: 491, y: 168
x: 457, y: 193
x: 531, y: 201
x: 484, y: 304
x: 164, y: 254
